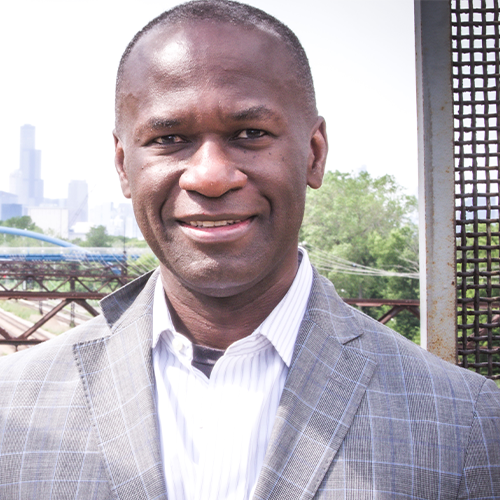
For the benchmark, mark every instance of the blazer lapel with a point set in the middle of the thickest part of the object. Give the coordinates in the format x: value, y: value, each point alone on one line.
x: 118, y: 380
x: 325, y: 385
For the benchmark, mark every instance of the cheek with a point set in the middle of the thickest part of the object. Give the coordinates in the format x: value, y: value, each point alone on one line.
x: 287, y: 202
x: 149, y: 190
x: 149, y: 178
x: 289, y: 180
x: 293, y: 194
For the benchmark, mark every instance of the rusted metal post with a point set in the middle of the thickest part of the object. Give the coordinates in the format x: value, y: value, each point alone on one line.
x: 436, y: 178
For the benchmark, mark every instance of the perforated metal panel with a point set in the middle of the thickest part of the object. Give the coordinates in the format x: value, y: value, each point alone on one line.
x: 476, y: 69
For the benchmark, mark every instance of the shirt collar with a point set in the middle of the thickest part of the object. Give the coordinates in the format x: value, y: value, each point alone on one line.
x: 280, y: 327
x: 162, y: 320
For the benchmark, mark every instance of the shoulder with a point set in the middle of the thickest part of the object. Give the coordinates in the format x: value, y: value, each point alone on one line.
x: 402, y: 366
x: 395, y: 353
x: 439, y: 420
x: 412, y: 369
x: 55, y: 360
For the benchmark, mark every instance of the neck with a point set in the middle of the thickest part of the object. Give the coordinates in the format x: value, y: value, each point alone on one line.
x: 218, y: 322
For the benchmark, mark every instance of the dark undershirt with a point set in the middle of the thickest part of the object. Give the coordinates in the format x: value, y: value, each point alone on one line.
x: 204, y: 358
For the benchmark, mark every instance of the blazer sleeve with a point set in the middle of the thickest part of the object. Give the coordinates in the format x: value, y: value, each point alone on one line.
x: 481, y: 472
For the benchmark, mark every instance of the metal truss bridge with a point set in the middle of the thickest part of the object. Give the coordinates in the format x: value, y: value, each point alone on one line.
x: 66, y: 274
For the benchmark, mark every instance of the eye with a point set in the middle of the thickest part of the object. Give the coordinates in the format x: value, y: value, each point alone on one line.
x: 250, y: 133
x: 168, y: 139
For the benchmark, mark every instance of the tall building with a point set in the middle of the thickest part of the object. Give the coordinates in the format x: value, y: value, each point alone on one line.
x: 26, y: 182
x: 78, y: 202
x: 9, y: 207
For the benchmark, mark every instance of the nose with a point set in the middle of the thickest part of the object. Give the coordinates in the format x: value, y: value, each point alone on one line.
x: 211, y: 173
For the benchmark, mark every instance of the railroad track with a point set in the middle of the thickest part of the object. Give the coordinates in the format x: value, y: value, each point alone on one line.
x: 80, y: 315
x: 16, y: 326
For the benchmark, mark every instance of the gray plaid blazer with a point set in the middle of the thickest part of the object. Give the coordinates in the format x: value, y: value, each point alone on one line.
x: 364, y: 413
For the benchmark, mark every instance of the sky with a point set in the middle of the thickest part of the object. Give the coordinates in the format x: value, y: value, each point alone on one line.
x: 59, y: 61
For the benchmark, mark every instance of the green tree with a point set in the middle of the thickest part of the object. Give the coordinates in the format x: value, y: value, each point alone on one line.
x: 366, y: 221
x: 97, y: 237
x: 23, y: 222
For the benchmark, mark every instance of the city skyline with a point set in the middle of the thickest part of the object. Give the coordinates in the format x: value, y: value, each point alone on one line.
x: 26, y: 181
x: 62, y: 217
x: 61, y: 80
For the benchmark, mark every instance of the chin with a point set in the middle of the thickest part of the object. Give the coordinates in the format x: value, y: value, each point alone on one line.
x: 220, y: 285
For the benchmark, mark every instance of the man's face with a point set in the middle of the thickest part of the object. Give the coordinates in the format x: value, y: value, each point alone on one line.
x: 215, y: 146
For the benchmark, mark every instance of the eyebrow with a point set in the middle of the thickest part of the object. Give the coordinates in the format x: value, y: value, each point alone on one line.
x: 161, y: 123
x: 157, y: 123
x: 254, y: 113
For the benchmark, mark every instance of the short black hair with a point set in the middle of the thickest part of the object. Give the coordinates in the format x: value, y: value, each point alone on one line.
x: 237, y: 14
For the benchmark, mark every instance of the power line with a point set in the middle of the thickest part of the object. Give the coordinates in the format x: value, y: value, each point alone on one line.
x: 331, y: 263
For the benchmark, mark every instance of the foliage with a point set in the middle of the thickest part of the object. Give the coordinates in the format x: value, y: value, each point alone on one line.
x: 121, y: 241
x: 146, y: 262
x: 23, y: 222
x: 97, y: 237
x: 15, y: 308
x: 367, y: 221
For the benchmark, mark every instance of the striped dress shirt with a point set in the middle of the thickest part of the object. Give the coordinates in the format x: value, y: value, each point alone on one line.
x: 215, y: 430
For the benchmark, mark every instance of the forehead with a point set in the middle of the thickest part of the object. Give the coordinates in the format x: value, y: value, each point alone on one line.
x: 208, y: 44
x: 180, y: 57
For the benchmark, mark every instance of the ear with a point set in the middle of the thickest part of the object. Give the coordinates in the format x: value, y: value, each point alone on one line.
x: 317, y: 154
x: 120, y: 166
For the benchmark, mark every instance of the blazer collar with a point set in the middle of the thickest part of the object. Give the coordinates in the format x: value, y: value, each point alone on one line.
x: 118, y: 380
x: 130, y: 301
x: 325, y: 385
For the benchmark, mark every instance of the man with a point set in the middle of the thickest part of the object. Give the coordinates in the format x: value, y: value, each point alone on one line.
x: 234, y: 371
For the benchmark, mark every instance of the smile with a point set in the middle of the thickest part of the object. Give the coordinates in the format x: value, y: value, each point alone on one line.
x: 212, y: 223
x: 216, y: 231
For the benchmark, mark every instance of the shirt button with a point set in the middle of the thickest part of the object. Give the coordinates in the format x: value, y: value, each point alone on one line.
x: 178, y: 344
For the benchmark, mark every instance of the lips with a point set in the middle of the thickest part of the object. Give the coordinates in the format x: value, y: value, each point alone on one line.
x: 216, y: 231
x: 212, y: 223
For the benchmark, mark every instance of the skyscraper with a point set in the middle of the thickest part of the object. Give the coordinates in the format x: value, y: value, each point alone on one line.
x: 26, y: 182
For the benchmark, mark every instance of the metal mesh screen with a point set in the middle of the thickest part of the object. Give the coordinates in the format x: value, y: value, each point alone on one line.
x: 476, y: 68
